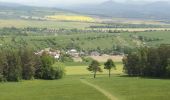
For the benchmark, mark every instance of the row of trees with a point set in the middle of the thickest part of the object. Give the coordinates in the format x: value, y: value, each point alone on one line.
x: 95, y: 66
x: 18, y: 64
x: 117, y: 25
x: 149, y: 62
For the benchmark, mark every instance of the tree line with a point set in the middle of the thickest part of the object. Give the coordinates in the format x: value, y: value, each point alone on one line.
x: 148, y: 62
x: 117, y: 25
x: 18, y: 64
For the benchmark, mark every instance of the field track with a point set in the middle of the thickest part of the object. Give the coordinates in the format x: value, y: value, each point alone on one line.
x: 106, y: 93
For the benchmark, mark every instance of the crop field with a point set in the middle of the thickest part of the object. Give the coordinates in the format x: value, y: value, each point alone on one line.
x: 71, y: 18
x: 137, y: 21
x: 44, y: 24
x: 67, y: 22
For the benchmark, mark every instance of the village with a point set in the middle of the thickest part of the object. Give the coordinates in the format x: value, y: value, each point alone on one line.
x: 77, y: 55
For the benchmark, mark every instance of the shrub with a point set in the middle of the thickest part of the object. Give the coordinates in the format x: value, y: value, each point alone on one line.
x: 59, y: 70
x: 87, y: 59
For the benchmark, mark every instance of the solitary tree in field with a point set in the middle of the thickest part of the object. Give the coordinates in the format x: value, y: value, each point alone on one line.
x: 94, y: 67
x: 109, y: 65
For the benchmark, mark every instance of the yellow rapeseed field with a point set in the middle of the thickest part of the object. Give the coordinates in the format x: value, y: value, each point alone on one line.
x: 71, y: 18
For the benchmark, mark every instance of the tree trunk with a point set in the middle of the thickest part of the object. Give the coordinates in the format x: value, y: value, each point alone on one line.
x: 109, y: 73
x: 95, y: 74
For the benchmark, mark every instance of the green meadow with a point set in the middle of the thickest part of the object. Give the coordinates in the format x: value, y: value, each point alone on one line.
x: 71, y: 87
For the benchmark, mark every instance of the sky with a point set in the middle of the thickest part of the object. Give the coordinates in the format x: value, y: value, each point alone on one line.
x: 65, y: 2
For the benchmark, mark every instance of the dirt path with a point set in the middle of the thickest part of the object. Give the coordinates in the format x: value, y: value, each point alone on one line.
x: 106, y: 93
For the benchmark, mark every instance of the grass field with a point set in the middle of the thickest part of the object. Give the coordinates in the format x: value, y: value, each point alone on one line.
x: 68, y: 88
x: 104, y: 58
x: 82, y: 70
x: 72, y: 88
x: 128, y: 88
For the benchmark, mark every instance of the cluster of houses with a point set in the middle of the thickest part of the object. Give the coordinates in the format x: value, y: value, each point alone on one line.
x: 33, y: 18
x: 72, y: 52
x: 55, y: 53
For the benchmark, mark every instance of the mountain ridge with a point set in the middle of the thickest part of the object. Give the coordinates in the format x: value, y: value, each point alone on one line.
x: 154, y: 10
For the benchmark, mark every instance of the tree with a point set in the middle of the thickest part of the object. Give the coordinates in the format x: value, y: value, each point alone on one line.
x: 109, y: 65
x: 47, y: 69
x: 156, y: 69
x: 148, y: 62
x: 28, y: 63
x: 94, y: 67
x: 168, y: 68
x: 13, y: 66
x: 131, y: 64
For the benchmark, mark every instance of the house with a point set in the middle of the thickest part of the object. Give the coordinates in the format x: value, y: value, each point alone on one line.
x: 55, y: 54
x: 73, y: 53
x: 82, y: 53
x: 95, y: 53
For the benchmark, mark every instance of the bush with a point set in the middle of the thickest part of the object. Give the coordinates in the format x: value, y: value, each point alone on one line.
x: 45, y: 69
x: 59, y: 70
x: 66, y: 58
x: 87, y: 59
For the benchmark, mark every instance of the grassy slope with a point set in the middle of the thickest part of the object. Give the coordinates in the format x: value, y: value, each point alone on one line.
x: 71, y: 88
x: 107, y: 42
x: 126, y: 88
x: 162, y: 35
x: 82, y: 40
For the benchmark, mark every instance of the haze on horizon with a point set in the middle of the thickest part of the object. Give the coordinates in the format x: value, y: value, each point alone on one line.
x: 61, y: 3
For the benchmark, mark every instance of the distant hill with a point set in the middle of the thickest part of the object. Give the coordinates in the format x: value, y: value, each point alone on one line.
x: 5, y: 4
x: 154, y: 10
x: 13, y: 10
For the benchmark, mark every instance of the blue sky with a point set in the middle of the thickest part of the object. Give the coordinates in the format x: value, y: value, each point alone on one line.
x: 65, y: 2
